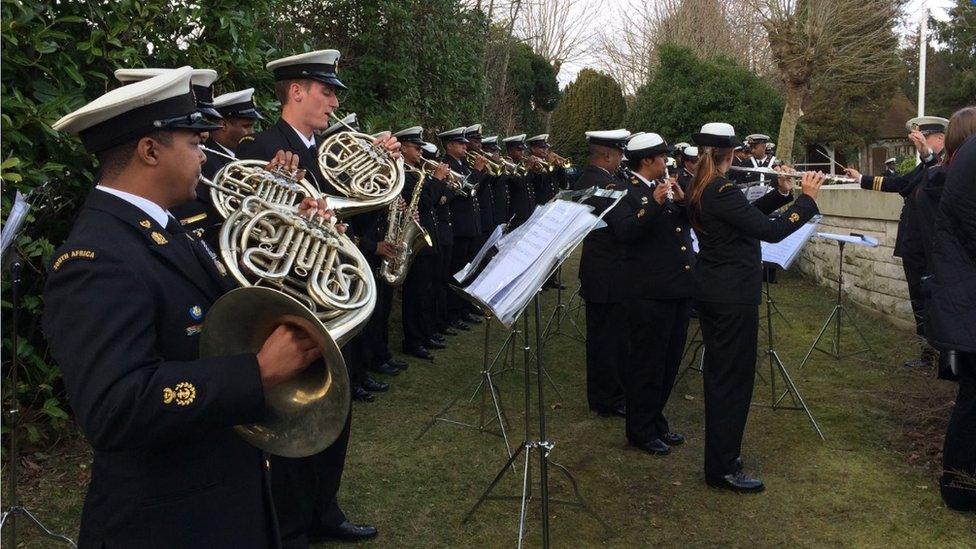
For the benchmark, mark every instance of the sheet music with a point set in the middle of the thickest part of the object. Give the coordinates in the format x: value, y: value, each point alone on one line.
x: 853, y: 238
x: 784, y: 252
x: 18, y: 214
x: 527, y: 255
x: 493, y: 238
x: 755, y: 192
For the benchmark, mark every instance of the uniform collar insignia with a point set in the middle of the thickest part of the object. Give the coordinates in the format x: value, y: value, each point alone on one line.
x: 145, y: 223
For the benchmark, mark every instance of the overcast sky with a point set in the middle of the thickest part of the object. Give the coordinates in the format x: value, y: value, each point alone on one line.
x: 606, y: 13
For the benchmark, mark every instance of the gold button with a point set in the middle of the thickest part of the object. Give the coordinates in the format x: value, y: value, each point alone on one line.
x: 687, y: 267
x: 684, y: 248
x: 677, y: 229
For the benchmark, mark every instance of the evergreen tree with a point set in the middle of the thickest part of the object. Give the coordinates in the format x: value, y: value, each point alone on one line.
x: 594, y: 101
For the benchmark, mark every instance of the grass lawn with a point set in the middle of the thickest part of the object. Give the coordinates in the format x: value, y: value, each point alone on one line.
x: 872, y: 483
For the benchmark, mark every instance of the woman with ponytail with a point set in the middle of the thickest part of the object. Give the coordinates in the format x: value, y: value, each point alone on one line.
x: 728, y: 278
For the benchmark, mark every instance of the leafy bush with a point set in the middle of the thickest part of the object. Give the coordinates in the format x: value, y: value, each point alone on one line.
x: 56, y: 57
x: 686, y: 92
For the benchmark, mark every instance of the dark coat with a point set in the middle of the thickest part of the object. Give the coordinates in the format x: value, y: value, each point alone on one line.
x: 124, y: 303
x: 486, y: 203
x: 603, y: 252
x: 265, y: 144
x: 951, y: 309
x: 523, y: 198
x: 729, y: 268
x: 443, y: 195
x: 465, y: 210
x: 503, y: 199
x: 658, y: 257
x: 908, y: 244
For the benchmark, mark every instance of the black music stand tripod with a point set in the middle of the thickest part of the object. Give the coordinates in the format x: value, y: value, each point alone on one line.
x: 836, y: 316
x: 541, y: 445
x: 776, y: 365
x: 486, y: 386
x: 14, y: 509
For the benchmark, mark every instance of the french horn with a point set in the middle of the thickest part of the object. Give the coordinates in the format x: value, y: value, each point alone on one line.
x: 296, y: 270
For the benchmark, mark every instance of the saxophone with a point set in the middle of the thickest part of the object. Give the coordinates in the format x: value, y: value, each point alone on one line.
x: 406, y: 234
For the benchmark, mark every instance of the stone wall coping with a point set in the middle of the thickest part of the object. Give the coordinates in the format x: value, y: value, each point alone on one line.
x: 849, y: 200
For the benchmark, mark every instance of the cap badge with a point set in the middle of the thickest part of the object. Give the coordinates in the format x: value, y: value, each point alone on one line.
x: 196, y: 312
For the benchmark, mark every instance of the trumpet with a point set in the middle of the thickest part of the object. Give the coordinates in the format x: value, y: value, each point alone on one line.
x: 830, y: 179
x: 456, y: 181
x: 561, y: 162
x: 540, y: 164
x: 493, y: 167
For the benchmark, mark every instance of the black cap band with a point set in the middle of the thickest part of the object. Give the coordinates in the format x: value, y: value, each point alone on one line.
x: 173, y: 113
x: 244, y: 109
x: 316, y: 71
x: 612, y: 143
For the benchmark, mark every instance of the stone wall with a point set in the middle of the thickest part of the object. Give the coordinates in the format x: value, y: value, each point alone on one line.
x: 873, y: 278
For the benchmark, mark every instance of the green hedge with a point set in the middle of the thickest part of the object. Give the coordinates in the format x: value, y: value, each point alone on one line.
x: 594, y: 101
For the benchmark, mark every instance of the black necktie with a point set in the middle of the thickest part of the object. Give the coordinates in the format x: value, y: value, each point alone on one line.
x: 202, y: 256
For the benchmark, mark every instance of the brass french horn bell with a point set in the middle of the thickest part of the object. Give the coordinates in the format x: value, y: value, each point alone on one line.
x: 305, y: 414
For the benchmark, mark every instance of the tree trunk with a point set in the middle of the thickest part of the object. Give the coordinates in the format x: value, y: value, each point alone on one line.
x: 787, y: 126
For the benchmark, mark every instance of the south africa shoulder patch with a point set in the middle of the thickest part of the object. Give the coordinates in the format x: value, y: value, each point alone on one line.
x: 77, y: 253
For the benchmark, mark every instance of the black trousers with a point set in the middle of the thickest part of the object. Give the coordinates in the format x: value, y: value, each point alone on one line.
x: 464, y: 249
x: 606, y: 349
x: 418, y: 301
x: 959, y: 449
x: 441, y: 290
x: 657, y: 333
x: 305, y: 489
x: 377, y: 330
x: 913, y: 275
x: 730, y: 332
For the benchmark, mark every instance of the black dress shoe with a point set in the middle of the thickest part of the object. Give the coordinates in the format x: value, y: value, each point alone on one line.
x: 609, y: 411
x: 398, y: 364
x: 362, y: 395
x: 673, y: 439
x: 461, y: 326
x: 656, y: 447
x: 448, y: 331
x: 554, y: 285
x: 431, y: 344
x: 736, y: 482
x: 437, y: 337
x: 346, y: 531
x: 418, y: 352
x: 471, y: 319
x: 375, y: 386
x: 387, y: 369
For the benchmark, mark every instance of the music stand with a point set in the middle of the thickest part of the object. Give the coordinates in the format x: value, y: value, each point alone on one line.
x: 561, y: 312
x: 776, y: 365
x: 13, y: 263
x: 839, y: 310
x: 695, y: 362
x: 541, y: 443
x: 486, y: 385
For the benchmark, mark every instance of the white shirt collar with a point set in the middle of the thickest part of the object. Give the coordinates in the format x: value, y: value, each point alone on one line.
x: 308, y: 142
x: 226, y: 151
x: 151, y: 209
x: 644, y: 179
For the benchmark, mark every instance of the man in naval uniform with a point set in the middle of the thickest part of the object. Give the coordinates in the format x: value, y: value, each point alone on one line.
x: 305, y: 489
x: 125, y: 300
x: 600, y: 280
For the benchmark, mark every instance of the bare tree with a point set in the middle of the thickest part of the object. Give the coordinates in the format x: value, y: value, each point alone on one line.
x: 819, y: 43
x: 558, y: 30
x: 711, y: 28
